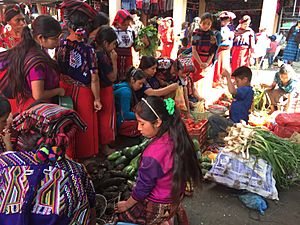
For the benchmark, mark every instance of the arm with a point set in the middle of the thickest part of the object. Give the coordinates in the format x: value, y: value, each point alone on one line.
x: 38, y: 91
x: 125, y: 100
x: 95, y: 87
x: 161, y: 91
x: 230, y: 85
x: 196, y: 94
x: 113, y: 75
x: 196, y: 55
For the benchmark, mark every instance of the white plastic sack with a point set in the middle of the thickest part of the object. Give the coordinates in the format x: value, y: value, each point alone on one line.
x: 253, y: 175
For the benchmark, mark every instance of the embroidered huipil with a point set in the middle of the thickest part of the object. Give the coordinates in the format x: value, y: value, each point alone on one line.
x: 154, y: 181
x: 43, y: 194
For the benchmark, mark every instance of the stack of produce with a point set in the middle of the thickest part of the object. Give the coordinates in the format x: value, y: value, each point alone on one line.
x: 114, y: 177
x: 224, y: 100
x: 281, y: 154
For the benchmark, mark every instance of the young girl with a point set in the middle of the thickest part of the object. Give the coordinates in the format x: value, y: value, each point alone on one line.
x: 166, y: 164
x: 78, y: 63
x: 126, y: 100
x: 106, y: 40
x: 5, y: 110
x: 243, y: 44
x: 167, y: 38
x: 203, y: 47
x: 33, y: 75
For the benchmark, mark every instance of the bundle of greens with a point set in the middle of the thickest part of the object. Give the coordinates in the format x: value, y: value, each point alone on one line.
x: 151, y: 34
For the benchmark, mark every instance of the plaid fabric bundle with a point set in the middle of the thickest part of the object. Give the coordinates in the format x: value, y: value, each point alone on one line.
x: 56, y: 124
x: 185, y: 63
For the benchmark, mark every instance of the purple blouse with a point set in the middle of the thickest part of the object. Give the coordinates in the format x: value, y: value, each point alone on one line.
x: 155, y: 174
x: 45, y: 73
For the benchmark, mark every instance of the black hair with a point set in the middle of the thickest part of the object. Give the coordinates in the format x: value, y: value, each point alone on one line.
x: 43, y: 25
x: 11, y: 11
x: 207, y: 16
x: 100, y: 20
x: 105, y: 33
x: 243, y: 72
x: 5, y: 107
x: 216, y: 24
x: 135, y: 74
x: 185, y: 41
x: 286, y: 68
x: 147, y: 62
x: 79, y: 20
x: 185, y: 165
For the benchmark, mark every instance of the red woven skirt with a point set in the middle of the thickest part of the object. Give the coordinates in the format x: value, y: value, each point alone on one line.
x: 86, y: 143
x: 223, y: 62
x: 107, y: 116
x: 240, y: 57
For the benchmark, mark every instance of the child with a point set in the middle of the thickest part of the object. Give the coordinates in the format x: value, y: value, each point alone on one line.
x: 166, y: 164
x: 203, y: 47
x: 287, y: 87
x: 271, y: 51
x: 239, y: 110
x: 106, y: 40
x: 184, y: 44
x: 5, y: 110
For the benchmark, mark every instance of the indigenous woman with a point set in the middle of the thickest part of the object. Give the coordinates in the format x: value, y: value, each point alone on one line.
x: 31, y: 73
x: 291, y: 51
x: 223, y: 53
x: 203, y: 47
x: 15, y: 20
x: 243, y: 44
x: 78, y: 63
x: 167, y: 38
x: 126, y: 40
x: 106, y: 41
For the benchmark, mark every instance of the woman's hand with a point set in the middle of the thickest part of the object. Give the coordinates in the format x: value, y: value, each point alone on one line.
x: 97, y: 105
x: 6, y: 139
x: 121, y: 207
x: 60, y: 92
x: 113, y: 56
x: 203, y: 65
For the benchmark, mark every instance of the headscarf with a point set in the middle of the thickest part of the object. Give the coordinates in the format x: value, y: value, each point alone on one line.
x: 70, y: 6
x: 244, y: 19
x: 227, y: 14
x: 121, y: 16
x: 11, y: 11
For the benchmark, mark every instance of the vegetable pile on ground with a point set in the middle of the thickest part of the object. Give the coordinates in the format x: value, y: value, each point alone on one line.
x: 193, y: 126
x: 224, y: 100
x: 114, y: 177
x: 281, y: 154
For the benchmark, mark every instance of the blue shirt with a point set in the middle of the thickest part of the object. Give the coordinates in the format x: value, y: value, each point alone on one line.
x: 241, y: 104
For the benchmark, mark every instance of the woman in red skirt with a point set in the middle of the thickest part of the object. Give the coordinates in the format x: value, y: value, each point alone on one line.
x: 126, y: 40
x: 106, y: 41
x: 243, y: 44
x: 78, y: 63
x: 203, y: 47
x: 167, y: 38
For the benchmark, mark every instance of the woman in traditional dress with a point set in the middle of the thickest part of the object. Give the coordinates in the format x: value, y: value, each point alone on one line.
x: 223, y: 53
x: 167, y: 38
x: 78, y: 63
x: 291, y: 51
x: 31, y: 74
x: 126, y: 40
x: 15, y: 20
x: 243, y: 44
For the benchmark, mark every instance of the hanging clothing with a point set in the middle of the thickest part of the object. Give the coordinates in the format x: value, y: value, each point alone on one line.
x: 242, y: 49
x: 167, y: 39
x: 129, y: 4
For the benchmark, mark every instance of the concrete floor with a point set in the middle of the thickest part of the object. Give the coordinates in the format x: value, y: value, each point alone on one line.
x: 218, y: 205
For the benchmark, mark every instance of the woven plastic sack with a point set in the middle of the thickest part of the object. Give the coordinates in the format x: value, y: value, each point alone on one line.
x: 253, y: 175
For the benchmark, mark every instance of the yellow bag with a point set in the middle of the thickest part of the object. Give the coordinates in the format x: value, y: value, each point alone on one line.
x: 179, y: 99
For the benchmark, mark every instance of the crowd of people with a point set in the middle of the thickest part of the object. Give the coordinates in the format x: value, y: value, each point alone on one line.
x: 93, y: 66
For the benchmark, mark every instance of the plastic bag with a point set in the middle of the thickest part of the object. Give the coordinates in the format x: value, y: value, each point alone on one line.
x: 288, y: 119
x: 254, y: 201
x: 254, y: 175
x: 179, y: 99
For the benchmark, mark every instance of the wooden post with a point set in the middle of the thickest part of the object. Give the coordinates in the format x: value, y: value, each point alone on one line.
x: 114, y: 6
x: 268, y: 15
x: 202, y: 5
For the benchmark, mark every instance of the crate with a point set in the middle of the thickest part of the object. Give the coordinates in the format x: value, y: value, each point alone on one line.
x: 200, y: 134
